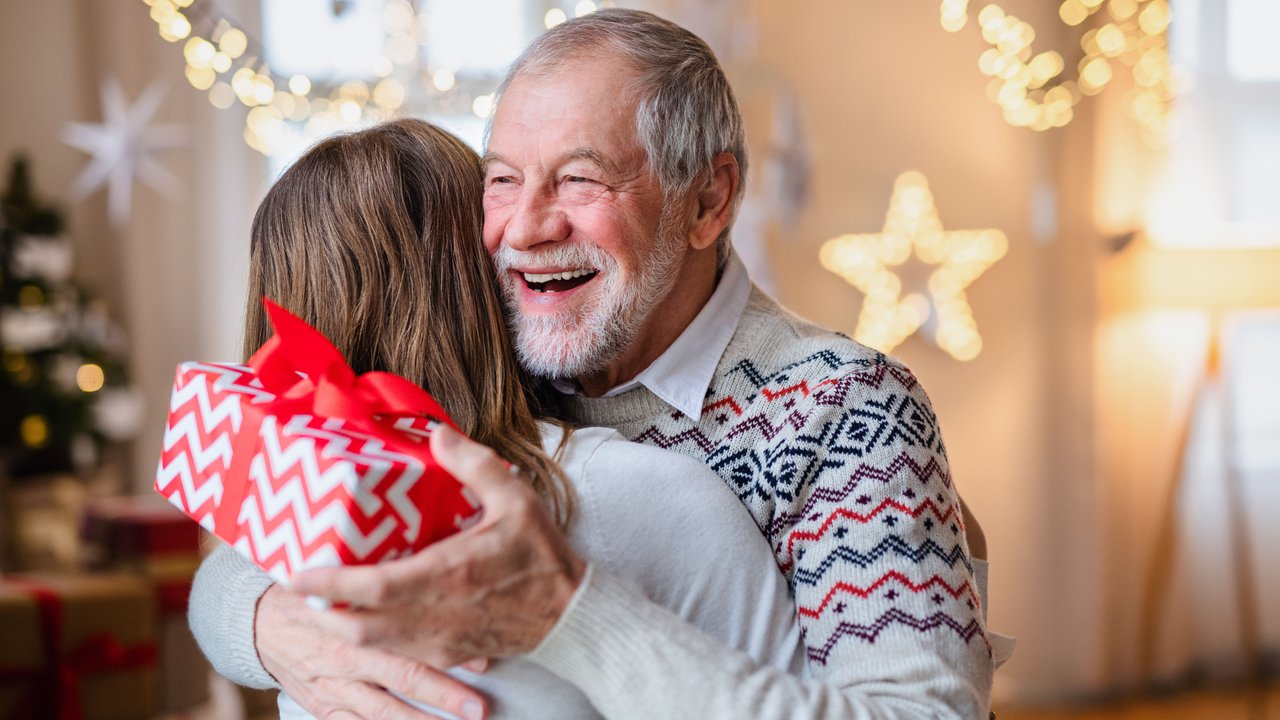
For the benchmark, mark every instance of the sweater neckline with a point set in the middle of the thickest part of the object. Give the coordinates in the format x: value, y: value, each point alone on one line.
x: 759, y: 326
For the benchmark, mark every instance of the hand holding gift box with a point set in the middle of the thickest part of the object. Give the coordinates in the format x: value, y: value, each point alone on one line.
x: 299, y: 463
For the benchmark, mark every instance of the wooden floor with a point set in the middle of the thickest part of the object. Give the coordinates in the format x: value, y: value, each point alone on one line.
x: 1224, y: 704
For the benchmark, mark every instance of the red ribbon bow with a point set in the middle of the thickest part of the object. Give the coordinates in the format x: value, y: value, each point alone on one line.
x: 308, y: 375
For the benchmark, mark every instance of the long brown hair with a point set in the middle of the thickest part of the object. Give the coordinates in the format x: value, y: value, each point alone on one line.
x: 373, y: 238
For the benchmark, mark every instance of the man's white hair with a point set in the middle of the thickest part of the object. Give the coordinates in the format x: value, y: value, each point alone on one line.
x: 686, y: 112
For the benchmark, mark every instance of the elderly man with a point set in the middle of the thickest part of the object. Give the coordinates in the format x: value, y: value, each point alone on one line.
x: 613, y: 170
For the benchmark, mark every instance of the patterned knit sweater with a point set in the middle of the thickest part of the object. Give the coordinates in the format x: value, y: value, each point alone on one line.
x: 835, y: 451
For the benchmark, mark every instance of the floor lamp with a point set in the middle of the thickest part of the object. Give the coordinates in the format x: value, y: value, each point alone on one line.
x: 1217, y: 282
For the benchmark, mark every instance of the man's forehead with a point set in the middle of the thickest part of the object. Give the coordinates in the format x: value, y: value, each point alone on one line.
x: 582, y: 153
x: 553, y: 119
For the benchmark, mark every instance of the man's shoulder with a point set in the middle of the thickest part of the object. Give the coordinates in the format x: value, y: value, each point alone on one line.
x: 775, y: 346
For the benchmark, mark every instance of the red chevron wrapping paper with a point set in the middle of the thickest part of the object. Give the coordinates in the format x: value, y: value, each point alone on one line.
x: 330, y: 469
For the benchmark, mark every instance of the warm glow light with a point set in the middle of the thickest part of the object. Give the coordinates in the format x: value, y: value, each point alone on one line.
x: 222, y: 96
x: 349, y: 110
x: 201, y: 78
x: 355, y: 91
x: 199, y: 52
x: 584, y: 7
x: 233, y: 42
x: 30, y: 296
x: 482, y: 106
x: 912, y: 226
x: 955, y: 14
x: 177, y: 28
x: 443, y: 80
x: 1095, y: 74
x: 1122, y: 9
x: 34, y: 431
x: 388, y: 94
x: 1111, y: 40
x: 242, y: 82
x: 1154, y: 18
x: 398, y: 16
x: 301, y: 108
x: 264, y: 89
x: 285, y: 102
x: 90, y: 378
x: 1073, y: 12
x: 1029, y: 87
x: 299, y: 85
x: 554, y: 17
x: 221, y: 62
x: 163, y: 12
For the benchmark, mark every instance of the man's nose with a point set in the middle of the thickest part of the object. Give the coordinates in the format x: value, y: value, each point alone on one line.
x: 537, y: 219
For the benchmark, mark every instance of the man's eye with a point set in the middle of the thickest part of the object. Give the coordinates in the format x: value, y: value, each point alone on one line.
x: 501, y: 180
x: 578, y: 179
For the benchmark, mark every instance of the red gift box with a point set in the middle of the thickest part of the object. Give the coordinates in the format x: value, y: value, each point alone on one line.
x: 77, y: 647
x: 137, y: 529
x: 148, y: 537
x: 298, y: 463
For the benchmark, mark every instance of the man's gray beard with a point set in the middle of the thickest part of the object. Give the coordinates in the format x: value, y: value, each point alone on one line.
x: 587, y: 342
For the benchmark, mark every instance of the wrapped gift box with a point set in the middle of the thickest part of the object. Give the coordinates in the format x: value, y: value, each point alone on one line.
x: 298, y: 463
x: 40, y: 518
x: 137, y: 529
x: 77, y: 646
x: 148, y: 537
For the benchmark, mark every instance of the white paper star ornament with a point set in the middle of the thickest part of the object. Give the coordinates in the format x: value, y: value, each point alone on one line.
x: 123, y: 147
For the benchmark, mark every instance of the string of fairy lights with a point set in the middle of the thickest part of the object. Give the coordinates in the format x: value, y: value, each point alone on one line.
x: 1034, y: 90
x: 229, y: 65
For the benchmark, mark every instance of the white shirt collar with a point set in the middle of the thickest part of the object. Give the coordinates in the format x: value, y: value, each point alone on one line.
x: 681, y: 375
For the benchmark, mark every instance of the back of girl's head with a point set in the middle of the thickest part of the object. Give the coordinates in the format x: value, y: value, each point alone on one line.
x: 373, y: 238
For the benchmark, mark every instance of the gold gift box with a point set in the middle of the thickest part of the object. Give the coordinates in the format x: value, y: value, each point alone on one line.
x: 77, y: 641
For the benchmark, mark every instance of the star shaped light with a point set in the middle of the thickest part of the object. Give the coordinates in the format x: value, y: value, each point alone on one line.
x: 123, y: 147
x: 867, y: 261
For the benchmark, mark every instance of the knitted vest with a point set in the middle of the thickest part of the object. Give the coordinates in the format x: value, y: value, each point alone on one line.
x: 835, y: 451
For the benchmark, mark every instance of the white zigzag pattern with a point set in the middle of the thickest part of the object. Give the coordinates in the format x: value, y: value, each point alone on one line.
x: 230, y: 376
x: 203, y: 456
x: 195, y: 496
x: 205, y: 521
x: 411, y: 426
x: 186, y: 427
x: 258, y: 543
x: 300, y: 494
x: 374, y: 452
x: 197, y: 388
x: 275, y: 461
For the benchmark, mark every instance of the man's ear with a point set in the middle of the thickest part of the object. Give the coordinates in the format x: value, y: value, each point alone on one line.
x: 715, y: 202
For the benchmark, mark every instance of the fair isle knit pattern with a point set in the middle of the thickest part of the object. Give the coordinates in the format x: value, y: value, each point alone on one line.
x: 835, y: 451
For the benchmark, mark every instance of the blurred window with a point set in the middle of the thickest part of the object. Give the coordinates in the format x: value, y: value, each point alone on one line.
x: 463, y: 48
x: 1222, y: 182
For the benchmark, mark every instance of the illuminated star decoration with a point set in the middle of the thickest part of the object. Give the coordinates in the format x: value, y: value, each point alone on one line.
x: 866, y: 261
x: 123, y: 147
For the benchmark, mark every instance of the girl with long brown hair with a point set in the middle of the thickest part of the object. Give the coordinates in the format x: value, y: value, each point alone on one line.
x: 373, y: 238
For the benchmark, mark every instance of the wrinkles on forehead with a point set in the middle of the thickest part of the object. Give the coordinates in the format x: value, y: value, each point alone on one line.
x: 604, y: 162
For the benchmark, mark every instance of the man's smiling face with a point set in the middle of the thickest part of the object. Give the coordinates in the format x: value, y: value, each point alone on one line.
x: 574, y: 218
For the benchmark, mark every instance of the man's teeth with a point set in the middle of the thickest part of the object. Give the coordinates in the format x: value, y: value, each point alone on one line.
x: 548, y: 277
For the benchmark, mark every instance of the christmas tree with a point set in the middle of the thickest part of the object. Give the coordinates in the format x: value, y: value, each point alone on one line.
x: 63, y: 381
